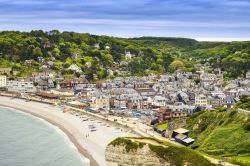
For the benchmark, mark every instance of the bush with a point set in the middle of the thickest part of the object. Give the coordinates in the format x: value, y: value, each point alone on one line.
x: 247, y: 126
x: 232, y: 113
x: 129, y: 145
x: 222, y: 109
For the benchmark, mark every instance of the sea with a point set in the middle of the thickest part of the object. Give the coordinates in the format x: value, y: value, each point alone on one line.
x: 26, y: 140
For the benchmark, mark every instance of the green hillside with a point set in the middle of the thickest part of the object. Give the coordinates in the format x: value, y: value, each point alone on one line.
x: 95, y: 55
x: 222, y: 133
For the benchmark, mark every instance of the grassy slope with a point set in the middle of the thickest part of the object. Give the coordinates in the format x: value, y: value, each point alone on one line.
x: 222, y: 134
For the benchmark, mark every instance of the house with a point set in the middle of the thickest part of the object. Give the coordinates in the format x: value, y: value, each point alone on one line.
x: 75, y: 55
x: 128, y: 55
x: 3, y: 81
x: 99, y: 101
x: 21, y: 86
x: 110, y: 72
x: 120, y: 101
x: 229, y: 101
x: 40, y: 59
x: 65, y: 93
x: 107, y: 47
x: 47, y: 45
x: 72, y: 82
x: 183, y: 97
x: 97, y: 45
x: 88, y: 64
x: 115, y: 65
x: 159, y: 101
x: 180, y: 131
x: 43, y: 67
x: 164, y: 114
x: 5, y: 71
x: 201, y: 100
x: 178, y: 114
x: 75, y: 68
x: 50, y: 63
x: 28, y: 62
x: 15, y: 72
x: 134, y: 102
x: 141, y: 85
x: 42, y: 85
x: 248, y: 75
x: 181, y: 136
x: 146, y: 92
x: 180, y: 108
x: 215, y: 101
x: 207, y: 78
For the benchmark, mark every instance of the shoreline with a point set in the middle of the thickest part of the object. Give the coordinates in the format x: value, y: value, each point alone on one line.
x: 92, y: 149
x: 83, y: 152
x: 54, y: 127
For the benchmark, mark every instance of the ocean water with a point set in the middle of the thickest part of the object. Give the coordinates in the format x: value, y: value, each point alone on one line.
x: 29, y: 141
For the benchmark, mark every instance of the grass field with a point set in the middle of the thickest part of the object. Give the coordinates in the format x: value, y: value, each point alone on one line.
x: 162, y: 126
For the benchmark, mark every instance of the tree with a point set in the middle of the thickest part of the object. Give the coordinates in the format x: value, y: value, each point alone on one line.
x: 107, y: 59
x: 37, y: 52
x: 56, y: 52
x: 175, y: 65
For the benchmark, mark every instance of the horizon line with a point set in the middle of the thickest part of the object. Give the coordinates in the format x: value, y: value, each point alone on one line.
x: 199, y: 39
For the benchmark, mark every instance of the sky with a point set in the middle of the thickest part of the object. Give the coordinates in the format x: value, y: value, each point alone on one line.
x: 210, y: 20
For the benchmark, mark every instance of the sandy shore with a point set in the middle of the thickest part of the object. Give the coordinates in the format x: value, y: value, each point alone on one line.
x: 92, y: 147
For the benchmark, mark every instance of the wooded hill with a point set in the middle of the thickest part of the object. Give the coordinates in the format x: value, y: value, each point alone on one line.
x: 137, y: 56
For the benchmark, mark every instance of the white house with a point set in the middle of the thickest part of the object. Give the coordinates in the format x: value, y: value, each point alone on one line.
x: 128, y: 55
x: 3, y: 81
x: 248, y: 75
x: 159, y: 101
x: 20, y: 86
x: 201, y: 100
x: 107, y: 47
x: 99, y: 100
x: 121, y: 101
x: 97, y: 45
x: 75, y: 68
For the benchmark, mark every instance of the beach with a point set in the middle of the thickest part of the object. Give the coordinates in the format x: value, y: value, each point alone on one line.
x: 90, y: 142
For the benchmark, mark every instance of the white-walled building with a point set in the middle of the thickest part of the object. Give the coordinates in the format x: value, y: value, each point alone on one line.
x: 20, y: 86
x: 201, y: 100
x: 159, y: 101
x: 3, y: 81
x: 248, y: 75
x: 99, y: 100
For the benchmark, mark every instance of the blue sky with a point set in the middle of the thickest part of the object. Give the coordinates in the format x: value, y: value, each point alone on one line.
x: 200, y: 19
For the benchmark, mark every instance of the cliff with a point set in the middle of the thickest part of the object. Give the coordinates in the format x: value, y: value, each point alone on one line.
x: 134, y: 152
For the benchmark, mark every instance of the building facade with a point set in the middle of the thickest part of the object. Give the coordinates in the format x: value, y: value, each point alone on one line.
x: 3, y: 81
x: 20, y: 86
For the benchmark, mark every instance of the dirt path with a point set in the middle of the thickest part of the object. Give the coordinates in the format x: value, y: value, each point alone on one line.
x: 147, y: 141
x: 216, y: 161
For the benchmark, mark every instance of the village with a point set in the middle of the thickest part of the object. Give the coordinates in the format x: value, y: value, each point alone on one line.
x: 153, y: 102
